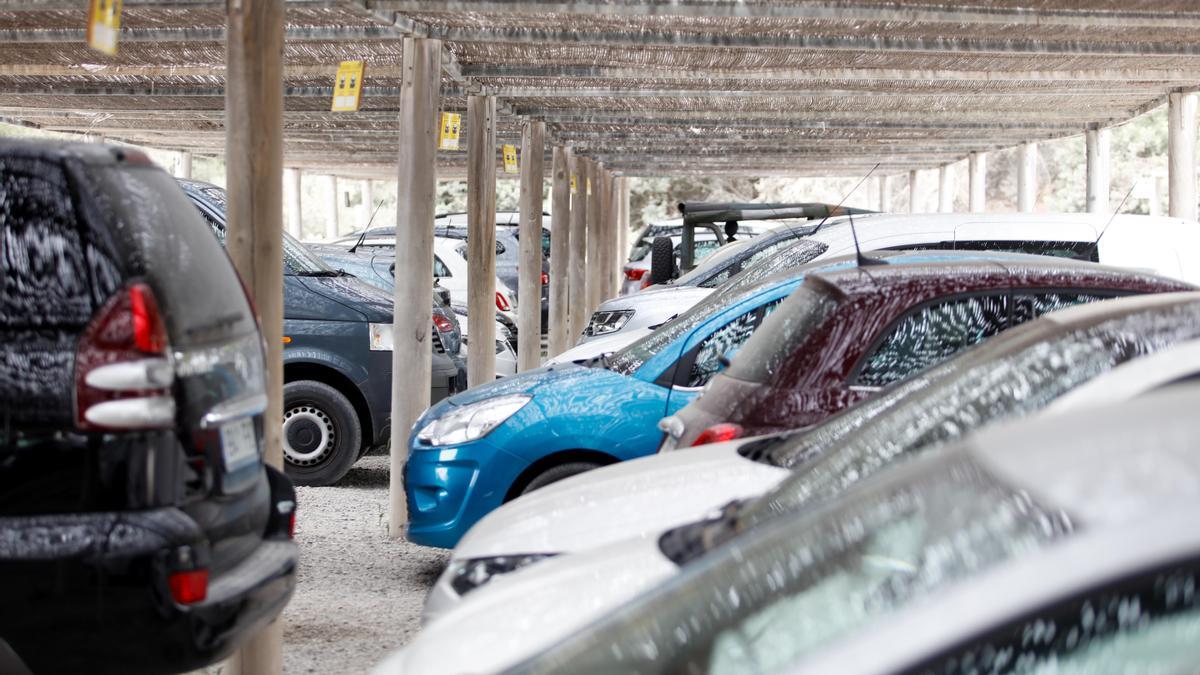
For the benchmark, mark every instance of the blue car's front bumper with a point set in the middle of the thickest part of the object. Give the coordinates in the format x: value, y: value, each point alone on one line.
x: 448, y: 489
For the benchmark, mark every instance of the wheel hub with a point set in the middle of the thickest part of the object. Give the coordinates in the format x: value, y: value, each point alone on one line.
x: 308, y: 435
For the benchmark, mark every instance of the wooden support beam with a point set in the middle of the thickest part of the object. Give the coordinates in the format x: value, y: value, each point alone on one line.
x: 885, y: 194
x: 578, y: 312
x: 946, y: 188
x: 481, y: 240
x: 416, y: 192
x: 595, y: 236
x: 1099, y: 168
x: 254, y: 222
x: 560, y: 242
x: 1181, y: 155
x: 529, y: 303
x: 977, y: 182
x: 912, y: 191
x: 1027, y: 177
x: 622, y: 228
x: 292, y: 210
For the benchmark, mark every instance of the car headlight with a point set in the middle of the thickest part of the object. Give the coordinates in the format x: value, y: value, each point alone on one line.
x: 381, y: 337
x: 471, y: 422
x: 605, y: 322
x: 475, y: 572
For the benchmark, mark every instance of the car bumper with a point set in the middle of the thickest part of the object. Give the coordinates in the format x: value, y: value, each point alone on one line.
x: 82, y: 589
x: 449, y: 489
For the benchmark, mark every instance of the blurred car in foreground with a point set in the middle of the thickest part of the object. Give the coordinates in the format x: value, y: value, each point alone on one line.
x: 1012, y: 375
x: 140, y: 531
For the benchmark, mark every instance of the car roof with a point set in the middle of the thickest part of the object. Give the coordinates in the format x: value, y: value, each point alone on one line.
x: 1127, y: 475
x: 94, y: 154
x: 964, y: 266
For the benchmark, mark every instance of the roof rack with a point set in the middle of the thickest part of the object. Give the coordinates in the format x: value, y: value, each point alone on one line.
x: 717, y: 212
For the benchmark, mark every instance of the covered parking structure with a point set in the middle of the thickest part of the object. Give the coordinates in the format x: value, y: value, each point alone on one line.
x: 593, y: 92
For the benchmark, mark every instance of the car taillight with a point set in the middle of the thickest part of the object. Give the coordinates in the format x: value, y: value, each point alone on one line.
x: 443, y: 324
x: 718, y: 433
x: 189, y: 587
x: 545, y: 278
x: 123, y: 374
x: 502, y: 302
x: 635, y: 273
x: 646, y: 279
x: 292, y: 525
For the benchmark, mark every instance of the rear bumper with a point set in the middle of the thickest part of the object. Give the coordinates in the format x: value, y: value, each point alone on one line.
x: 89, y: 592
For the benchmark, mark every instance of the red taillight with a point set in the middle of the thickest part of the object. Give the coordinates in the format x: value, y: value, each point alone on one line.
x: 635, y: 273
x: 545, y: 278
x: 646, y: 281
x: 122, y: 373
x: 502, y: 302
x: 718, y: 433
x: 443, y: 324
x: 189, y: 587
x: 292, y: 525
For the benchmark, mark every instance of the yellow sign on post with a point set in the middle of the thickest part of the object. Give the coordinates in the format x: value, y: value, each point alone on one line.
x: 347, y: 88
x: 448, y: 134
x: 104, y: 24
x: 510, y: 159
x: 573, y: 189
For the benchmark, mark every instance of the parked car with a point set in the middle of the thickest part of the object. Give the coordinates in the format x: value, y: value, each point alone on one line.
x: 1062, y: 545
x: 337, y: 357
x: 135, y: 509
x: 1020, y: 372
x: 1166, y: 246
x: 1014, y: 374
x: 724, y: 253
x: 785, y: 378
x: 635, y: 272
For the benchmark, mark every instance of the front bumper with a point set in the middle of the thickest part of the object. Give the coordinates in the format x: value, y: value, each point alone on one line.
x: 449, y: 489
x: 83, y: 590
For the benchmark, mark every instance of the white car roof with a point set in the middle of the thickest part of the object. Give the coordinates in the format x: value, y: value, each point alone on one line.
x: 1129, y: 476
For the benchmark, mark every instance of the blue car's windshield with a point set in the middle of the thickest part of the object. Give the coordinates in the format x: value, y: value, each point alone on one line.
x: 777, y: 253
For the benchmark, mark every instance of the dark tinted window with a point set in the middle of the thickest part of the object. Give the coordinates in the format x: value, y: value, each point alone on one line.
x: 932, y: 333
x: 725, y: 341
x: 1077, y: 250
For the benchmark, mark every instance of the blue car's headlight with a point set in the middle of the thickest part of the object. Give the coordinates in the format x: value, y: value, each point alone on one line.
x: 473, y: 421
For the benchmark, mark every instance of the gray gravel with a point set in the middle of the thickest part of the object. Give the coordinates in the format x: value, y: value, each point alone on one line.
x: 359, y: 593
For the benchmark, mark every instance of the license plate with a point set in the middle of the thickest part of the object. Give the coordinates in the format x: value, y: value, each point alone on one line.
x: 239, y: 446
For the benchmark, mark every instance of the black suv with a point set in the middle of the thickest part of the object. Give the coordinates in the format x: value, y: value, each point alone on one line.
x: 337, y: 357
x: 139, y: 529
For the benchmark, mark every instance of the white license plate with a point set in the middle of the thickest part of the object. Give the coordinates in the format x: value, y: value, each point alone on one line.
x: 239, y: 446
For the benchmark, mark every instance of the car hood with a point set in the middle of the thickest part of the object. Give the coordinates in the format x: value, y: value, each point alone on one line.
x: 534, y: 381
x: 519, y: 615
x: 674, y: 298
x: 637, y: 498
x: 605, y: 344
x: 351, y: 292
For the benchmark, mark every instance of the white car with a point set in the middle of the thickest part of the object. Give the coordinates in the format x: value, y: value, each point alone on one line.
x: 759, y: 598
x: 1014, y: 374
x: 506, y: 357
x: 1166, y: 246
x: 636, y: 272
x: 601, y: 346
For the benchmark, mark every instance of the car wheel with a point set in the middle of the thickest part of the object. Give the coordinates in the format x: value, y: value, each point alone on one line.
x: 321, y: 433
x: 557, y: 473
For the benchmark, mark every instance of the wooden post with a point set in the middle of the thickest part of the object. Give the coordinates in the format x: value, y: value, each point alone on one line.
x: 607, y: 240
x: 331, y: 207
x: 1181, y: 154
x: 366, y: 205
x: 481, y: 239
x: 977, y: 182
x: 945, y: 188
x: 416, y: 192
x: 622, y: 229
x: 184, y: 168
x: 577, y: 311
x: 560, y: 250
x: 254, y: 218
x: 1099, y: 158
x: 595, y: 236
x: 885, y: 194
x: 912, y: 191
x: 529, y: 306
x: 1027, y: 177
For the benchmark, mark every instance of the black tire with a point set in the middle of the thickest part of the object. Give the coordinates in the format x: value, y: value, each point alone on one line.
x: 662, y: 260
x: 321, y: 433
x: 557, y: 473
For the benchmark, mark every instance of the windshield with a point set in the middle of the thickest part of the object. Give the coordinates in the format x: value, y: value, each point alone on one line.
x: 736, y: 257
x: 799, y: 253
x: 631, y: 358
x: 764, y: 601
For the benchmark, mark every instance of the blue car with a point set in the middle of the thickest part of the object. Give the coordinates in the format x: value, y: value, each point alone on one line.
x: 472, y: 452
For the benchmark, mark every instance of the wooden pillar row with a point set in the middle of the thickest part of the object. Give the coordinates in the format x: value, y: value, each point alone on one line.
x: 1181, y: 155
x: 481, y: 239
x: 529, y: 303
x: 560, y: 251
x: 1099, y: 169
x: 577, y: 310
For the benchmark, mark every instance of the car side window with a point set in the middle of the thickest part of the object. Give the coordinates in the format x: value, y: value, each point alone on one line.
x: 1146, y: 623
x: 725, y: 341
x: 439, y: 268
x: 1028, y: 306
x: 931, y: 333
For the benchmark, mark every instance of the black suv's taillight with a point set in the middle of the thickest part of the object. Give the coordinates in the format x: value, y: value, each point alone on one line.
x: 123, y: 371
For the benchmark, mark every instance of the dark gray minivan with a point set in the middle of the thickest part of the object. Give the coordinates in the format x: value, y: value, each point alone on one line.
x: 337, y: 357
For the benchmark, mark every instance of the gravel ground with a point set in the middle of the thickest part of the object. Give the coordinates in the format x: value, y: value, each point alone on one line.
x: 359, y: 593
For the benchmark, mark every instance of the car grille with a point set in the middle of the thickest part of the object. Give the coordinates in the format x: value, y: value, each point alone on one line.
x: 438, y: 347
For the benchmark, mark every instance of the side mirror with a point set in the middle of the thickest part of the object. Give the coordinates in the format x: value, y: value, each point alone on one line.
x: 662, y: 260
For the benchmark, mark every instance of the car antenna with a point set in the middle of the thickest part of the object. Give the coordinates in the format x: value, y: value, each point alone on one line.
x: 860, y: 259
x: 847, y: 196
x: 366, y: 228
x: 1095, y: 248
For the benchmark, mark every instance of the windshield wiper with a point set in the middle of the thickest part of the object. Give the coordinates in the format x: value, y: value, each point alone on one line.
x: 320, y: 273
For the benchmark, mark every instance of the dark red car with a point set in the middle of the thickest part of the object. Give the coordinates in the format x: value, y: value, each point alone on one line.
x: 844, y: 335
